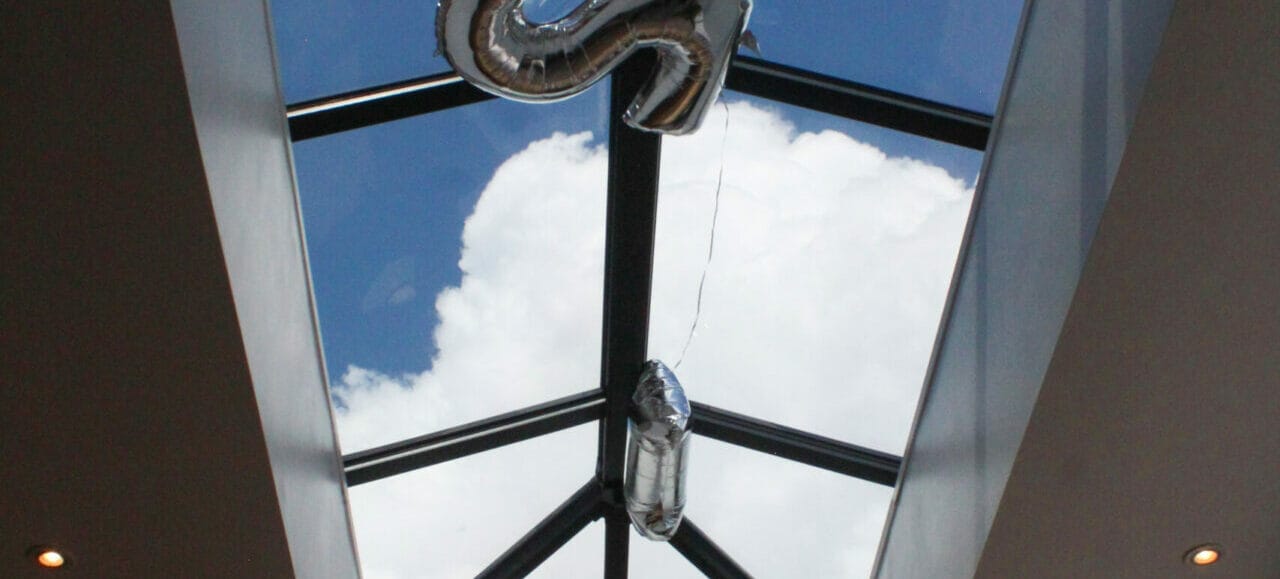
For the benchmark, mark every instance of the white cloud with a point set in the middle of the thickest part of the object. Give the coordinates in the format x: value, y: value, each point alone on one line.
x: 832, y: 262
x: 523, y: 326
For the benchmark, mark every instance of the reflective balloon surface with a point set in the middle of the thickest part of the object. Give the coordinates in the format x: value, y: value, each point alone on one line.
x: 494, y: 46
x: 657, y: 454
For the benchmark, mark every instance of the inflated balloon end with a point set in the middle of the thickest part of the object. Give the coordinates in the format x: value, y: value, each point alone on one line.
x: 492, y: 45
x: 657, y: 454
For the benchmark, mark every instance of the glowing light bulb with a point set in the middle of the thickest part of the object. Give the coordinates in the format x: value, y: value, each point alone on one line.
x: 1204, y: 555
x: 50, y: 558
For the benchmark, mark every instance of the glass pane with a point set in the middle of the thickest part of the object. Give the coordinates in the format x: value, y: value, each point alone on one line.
x: 455, y: 518
x: 654, y: 560
x: 950, y: 51
x: 834, y: 247
x: 779, y: 518
x: 582, y: 556
x: 953, y: 52
x: 449, y: 286
x: 327, y: 47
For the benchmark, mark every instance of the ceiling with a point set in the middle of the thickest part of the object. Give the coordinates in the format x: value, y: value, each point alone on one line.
x: 136, y: 432
x: 153, y: 421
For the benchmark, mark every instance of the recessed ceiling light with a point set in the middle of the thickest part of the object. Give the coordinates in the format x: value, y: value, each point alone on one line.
x: 48, y: 557
x: 1204, y: 555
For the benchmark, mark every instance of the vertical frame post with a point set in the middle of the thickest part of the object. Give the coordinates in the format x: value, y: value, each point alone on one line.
x: 634, y: 158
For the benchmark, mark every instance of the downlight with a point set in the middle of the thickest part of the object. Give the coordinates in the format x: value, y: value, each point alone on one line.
x: 48, y: 557
x: 1203, y: 555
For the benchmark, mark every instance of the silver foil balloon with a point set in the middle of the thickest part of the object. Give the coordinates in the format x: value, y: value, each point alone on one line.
x: 658, y: 453
x: 492, y: 45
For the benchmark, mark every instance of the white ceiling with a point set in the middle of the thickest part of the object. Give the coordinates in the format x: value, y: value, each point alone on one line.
x: 1158, y: 424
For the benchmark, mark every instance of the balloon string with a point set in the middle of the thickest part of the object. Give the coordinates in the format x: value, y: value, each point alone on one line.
x: 711, y: 245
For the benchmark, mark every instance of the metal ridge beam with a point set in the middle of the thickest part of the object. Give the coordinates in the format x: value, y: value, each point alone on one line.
x: 691, y: 542
x: 631, y: 221
x: 414, y: 453
x: 798, y: 445
x: 860, y: 102
x: 380, y: 104
x: 548, y: 536
x: 617, y: 545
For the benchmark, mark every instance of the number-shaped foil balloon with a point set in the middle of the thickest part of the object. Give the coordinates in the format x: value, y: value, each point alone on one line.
x: 492, y: 45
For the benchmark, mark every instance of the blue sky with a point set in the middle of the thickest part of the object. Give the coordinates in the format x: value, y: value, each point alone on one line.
x: 384, y: 206
x: 952, y: 51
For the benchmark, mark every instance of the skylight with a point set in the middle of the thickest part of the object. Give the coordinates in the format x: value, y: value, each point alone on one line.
x: 392, y: 224
x: 345, y: 45
x: 464, y: 264
x: 941, y: 50
x: 831, y: 265
x: 453, y: 519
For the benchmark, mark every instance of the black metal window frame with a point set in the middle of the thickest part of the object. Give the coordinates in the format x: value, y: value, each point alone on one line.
x: 629, y: 241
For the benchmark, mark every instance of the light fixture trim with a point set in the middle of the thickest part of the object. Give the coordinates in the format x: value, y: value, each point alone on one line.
x: 1204, y: 555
